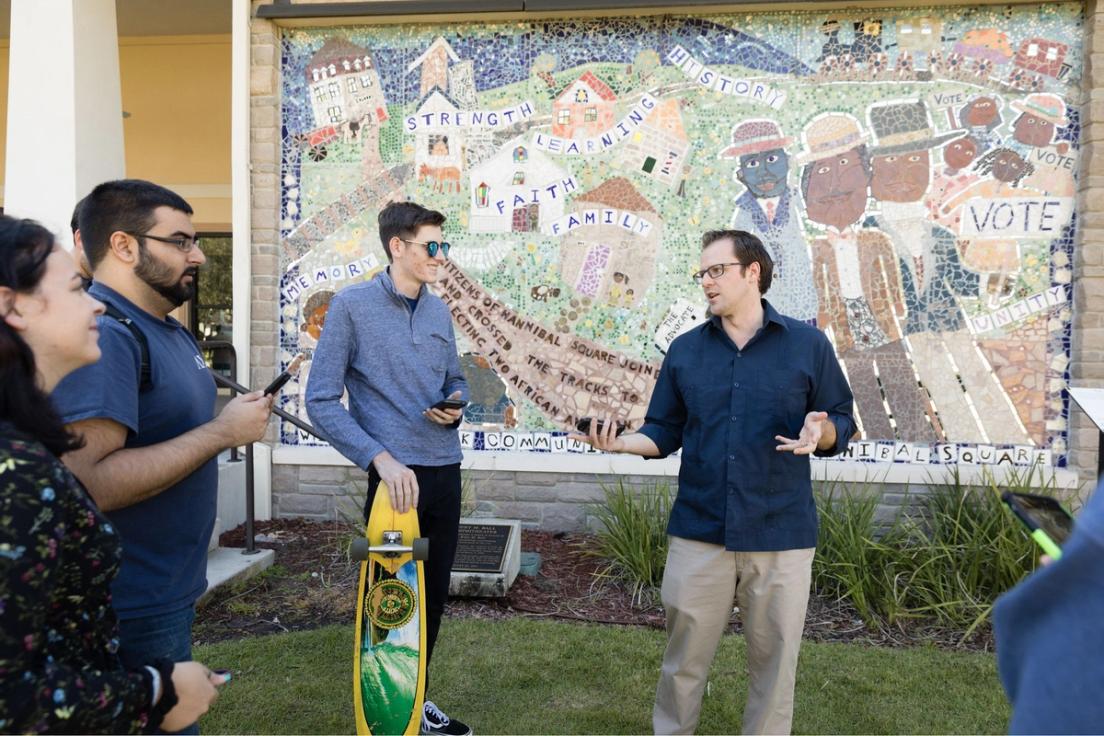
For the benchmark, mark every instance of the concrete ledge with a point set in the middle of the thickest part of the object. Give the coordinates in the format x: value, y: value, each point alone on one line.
x: 226, y: 565
x: 598, y: 463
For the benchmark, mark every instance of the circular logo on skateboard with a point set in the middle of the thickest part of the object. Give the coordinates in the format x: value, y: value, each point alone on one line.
x: 390, y: 603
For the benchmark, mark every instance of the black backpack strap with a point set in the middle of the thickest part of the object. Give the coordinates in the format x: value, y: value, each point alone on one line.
x: 145, y: 382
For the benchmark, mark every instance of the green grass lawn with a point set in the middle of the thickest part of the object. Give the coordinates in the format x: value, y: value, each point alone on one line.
x: 525, y: 676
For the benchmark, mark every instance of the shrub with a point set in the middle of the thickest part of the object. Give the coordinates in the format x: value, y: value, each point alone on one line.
x: 852, y: 560
x: 633, y: 536
x: 949, y: 562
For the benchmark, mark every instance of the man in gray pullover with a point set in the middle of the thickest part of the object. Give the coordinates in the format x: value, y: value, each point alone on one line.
x: 390, y: 342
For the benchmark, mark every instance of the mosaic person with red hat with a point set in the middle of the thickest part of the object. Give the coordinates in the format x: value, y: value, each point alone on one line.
x: 768, y: 209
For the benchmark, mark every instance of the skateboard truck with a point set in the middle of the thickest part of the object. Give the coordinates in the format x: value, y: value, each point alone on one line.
x: 392, y: 547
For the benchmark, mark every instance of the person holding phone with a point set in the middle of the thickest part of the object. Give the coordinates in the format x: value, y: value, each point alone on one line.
x: 749, y: 395
x: 59, y: 667
x: 145, y: 412
x: 391, y: 344
x: 1050, y: 638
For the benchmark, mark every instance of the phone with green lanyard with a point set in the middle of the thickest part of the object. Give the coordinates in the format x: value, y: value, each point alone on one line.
x: 1047, y: 522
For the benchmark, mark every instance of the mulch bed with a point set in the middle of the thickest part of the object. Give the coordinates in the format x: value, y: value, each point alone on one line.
x: 313, y: 584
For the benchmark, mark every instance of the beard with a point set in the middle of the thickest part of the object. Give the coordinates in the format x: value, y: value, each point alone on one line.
x: 159, y: 277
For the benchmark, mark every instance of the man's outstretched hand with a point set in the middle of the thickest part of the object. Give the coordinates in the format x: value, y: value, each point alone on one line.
x: 811, y: 434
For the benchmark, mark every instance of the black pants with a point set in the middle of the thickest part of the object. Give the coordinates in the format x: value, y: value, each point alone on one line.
x: 439, y: 521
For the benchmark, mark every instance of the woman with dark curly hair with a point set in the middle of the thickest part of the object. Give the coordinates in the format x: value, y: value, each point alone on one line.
x: 59, y: 670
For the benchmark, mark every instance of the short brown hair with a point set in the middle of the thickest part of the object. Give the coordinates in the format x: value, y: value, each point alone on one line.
x: 748, y: 249
x: 402, y: 219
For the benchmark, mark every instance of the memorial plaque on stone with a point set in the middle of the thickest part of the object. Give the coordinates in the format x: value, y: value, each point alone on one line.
x: 481, y: 547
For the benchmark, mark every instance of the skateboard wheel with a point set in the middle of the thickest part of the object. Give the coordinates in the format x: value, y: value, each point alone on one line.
x: 358, y: 550
x: 421, y: 549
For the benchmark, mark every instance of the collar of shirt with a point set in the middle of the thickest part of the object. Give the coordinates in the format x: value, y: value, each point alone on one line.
x: 389, y: 286
x: 103, y: 292
x: 770, y: 316
x: 834, y: 235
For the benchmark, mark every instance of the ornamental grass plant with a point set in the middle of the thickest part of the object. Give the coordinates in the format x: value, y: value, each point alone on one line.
x: 632, y: 536
x: 944, y: 555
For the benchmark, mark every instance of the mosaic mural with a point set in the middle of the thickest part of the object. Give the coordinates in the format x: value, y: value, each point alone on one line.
x: 912, y: 172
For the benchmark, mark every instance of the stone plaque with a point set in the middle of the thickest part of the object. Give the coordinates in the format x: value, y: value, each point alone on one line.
x: 481, y: 547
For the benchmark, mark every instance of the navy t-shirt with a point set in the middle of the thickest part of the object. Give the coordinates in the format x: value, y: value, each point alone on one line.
x: 164, y: 537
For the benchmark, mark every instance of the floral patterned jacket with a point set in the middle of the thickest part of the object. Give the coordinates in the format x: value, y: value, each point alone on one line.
x: 59, y: 671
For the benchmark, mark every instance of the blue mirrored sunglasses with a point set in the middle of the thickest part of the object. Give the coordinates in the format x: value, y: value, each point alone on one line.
x: 431, y: 247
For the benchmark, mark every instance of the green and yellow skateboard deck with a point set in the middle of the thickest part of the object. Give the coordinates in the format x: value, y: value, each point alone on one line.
x: 390, y: 642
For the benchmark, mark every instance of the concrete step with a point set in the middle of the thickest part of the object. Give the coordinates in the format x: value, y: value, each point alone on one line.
x: 225, y: 565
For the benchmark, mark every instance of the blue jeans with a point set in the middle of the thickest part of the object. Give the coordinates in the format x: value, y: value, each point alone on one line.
x: 144, y: 640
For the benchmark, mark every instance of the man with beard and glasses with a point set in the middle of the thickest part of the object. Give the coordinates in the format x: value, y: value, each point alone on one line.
x: 151, y: 441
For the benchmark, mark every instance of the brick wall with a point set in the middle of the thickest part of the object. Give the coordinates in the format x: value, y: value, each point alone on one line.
x: 264, y: 141
x: 1087, y: 350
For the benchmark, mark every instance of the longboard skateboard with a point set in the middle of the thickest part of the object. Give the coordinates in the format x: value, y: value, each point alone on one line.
x: 390, y: 641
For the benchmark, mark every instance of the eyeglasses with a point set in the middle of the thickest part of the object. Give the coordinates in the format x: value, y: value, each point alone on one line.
x: 183, y: 244
x: 431, y: 247
x: 715, y: 271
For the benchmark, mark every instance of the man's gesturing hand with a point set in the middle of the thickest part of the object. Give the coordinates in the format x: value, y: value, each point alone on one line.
x: 811, y: 433
x: 244, y: 418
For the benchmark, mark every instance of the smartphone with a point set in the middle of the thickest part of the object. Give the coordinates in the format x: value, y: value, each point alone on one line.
x: 450, y: 404
x: 583, y: 425
x: 280, y: 380
x: 277, y: 384
x: 1048, y: 523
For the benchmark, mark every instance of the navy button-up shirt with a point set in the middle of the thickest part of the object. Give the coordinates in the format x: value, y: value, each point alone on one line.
x: 723, y: 406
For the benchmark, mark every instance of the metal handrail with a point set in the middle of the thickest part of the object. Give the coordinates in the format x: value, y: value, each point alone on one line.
x: 224, y: 345
x: 221, y: 380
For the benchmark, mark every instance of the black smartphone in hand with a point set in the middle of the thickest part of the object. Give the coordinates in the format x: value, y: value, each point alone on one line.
x: 450, y: 404
x: 277, y: 384
x: 285, y: 376
x: 583, y: 425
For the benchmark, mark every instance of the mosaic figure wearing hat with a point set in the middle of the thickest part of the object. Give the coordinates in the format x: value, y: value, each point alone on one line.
x: 1003, y: 171
x: 859, y: 289
x: 1035, y: 129
x: 768, y: 209
x: 932, y: 279
x: 1040, y: 115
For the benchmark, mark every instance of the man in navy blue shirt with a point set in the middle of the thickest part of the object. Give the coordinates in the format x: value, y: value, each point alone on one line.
x: 150, y: 445
x: 748, y: 396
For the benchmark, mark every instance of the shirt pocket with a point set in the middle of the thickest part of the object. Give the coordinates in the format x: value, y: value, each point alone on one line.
x: 787, y: 395
x: 704, y: 400
x: 437, y: 351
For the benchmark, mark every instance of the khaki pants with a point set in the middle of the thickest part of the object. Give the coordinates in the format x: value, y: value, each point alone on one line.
x: 772, y: 591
